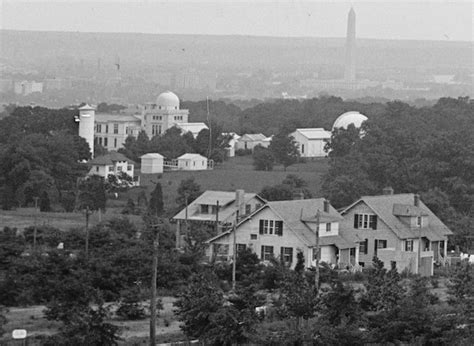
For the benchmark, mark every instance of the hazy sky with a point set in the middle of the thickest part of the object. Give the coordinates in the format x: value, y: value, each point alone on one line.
x: 427, y: 20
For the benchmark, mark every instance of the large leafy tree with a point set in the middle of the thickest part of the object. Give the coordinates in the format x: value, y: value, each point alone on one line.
x: 188, y: 191
x: 284, y: 148
x: 263, y: 159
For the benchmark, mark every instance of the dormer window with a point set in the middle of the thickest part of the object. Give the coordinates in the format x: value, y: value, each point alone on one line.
x: 204, y: 209
x: 419, y: 221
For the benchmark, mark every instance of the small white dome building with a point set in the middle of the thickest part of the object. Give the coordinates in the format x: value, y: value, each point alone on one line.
x: 167, y: 101
x: 345, y: 119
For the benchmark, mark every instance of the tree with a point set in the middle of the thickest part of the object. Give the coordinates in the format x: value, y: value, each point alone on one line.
x: 342, y: 141
x: 44, y: 202
x: 281, y: 192
x: 92, y: 193
x: 211, y: 316
x: 263, y: 159
x: 155, y: 205
x: 188, y: 191
x: 284, y: 149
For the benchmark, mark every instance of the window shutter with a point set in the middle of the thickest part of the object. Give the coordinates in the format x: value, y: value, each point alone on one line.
x: 279, y: 228
x: 373, y: 221
x: 356, y: 220
x: 282, y: 253
x: 260, y: 228
x: 262, y: 253
x: 375, y: 247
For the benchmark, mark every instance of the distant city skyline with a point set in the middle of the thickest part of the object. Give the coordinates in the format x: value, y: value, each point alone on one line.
x: 422, y: 20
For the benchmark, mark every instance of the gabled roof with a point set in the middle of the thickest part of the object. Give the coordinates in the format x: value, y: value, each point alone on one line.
x: 252, y: 137
x: 299, y: 216
x: 383, y: 207
x: 226, y: 202
x: 314, y: 133
x: 109, y: 159
x: 191, y: 156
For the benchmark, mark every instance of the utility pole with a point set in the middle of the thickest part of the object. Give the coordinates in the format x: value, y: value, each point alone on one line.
x: 316, y: 249
x: 87, y: 232
x: 217, y: 217
x: 234, y: 257
x: 35, y: 230
x: 153, y: 287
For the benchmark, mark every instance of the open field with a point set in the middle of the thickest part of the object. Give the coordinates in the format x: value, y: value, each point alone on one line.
x: 25, y: 217
x: 236, y: 173
x: 132, y: 332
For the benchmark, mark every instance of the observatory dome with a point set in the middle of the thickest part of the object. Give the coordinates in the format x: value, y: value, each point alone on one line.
x: 345, y: 119
x: 167, y: 100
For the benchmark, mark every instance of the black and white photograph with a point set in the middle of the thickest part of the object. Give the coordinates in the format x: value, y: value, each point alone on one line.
x: 236, y: 172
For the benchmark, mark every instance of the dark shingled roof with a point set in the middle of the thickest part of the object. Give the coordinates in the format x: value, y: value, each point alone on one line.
x: 109, y: 159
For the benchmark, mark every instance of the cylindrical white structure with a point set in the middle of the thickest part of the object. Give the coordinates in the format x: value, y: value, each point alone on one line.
x: 86, y: 125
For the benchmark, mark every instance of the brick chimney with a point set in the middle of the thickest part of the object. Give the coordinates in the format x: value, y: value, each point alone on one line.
x: 416, y: 200
x: 326, y: 206
x: 240, y: 202
x: 387, y: 190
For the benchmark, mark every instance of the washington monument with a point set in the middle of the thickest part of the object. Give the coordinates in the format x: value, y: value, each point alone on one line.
x: 349, y: 72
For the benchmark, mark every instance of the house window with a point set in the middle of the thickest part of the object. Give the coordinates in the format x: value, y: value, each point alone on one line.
x: 363, y: 247
x: 253, y: 237
x: 96, y: 168
x: 258, y: 206
x: 248, y: 209
x: 106, y: 128
x: 115, y: 142
x: 214, y: 209
x: 286, y: 254
x: 419, y: 221
x: 129, y: 167
x: 271, y: 227
x: 408, y: 245
x: 115, y: 128
x: 105, y: 141
x: 111, y: 168
x: 267, y: 253
x: 98, y: 128
x: 221, y: 250
x: 379, y: 244
x: 100, y: 140
x: 315, y: 252
x: 204, y: 209
x: 365, y: 221
x: 302, y: 148
x: 119, y: 168
x: 328, y: 227
x: 241, y: 247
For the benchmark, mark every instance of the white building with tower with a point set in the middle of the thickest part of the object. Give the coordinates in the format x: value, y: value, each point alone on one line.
x: 111, y: 130
x: 86, y: 125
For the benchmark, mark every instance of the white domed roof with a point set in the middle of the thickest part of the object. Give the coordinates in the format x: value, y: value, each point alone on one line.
x: 167, y: 100
x: 344, y: 120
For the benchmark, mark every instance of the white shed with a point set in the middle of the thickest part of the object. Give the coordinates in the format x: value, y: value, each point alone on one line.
x: 152, y: 163
x: 192, y: 162
x: 311, y: 141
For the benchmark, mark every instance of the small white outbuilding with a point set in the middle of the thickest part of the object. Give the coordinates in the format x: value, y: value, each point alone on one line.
x: 152, y: 163
x: 311, y: 141
x: 192, y: 162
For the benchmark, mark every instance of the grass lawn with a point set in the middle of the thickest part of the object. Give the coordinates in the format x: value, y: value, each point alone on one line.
x: 236, y: 173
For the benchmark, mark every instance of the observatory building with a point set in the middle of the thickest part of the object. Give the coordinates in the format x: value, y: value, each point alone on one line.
x: 345, y: 119
x: 111, y: 130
